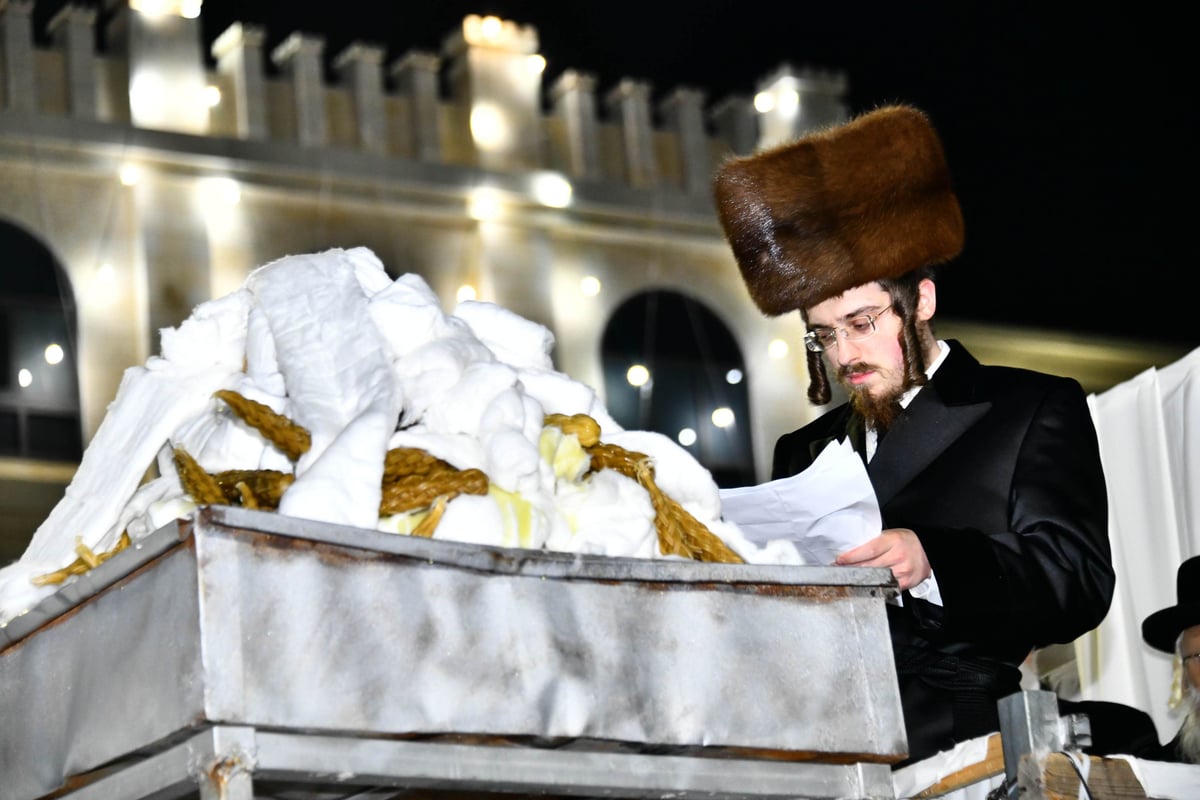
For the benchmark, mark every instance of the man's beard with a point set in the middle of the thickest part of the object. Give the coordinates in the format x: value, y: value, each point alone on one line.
x: 879, y: 412
x: 1189, y: 734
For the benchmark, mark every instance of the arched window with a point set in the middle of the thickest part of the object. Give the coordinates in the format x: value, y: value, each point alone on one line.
x: 671, y: 366
x: 39, y: 389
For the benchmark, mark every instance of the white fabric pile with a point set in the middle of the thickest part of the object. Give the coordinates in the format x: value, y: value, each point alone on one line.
x: 365, y: 364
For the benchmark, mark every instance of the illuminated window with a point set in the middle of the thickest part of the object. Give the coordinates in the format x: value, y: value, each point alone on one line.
x: 39, y: 391
x: 668, y: 362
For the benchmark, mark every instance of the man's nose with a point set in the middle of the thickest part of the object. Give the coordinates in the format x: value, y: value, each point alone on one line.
x: 847, y: 351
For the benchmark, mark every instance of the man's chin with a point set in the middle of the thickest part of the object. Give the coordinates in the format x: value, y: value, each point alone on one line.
x: 873, y: 391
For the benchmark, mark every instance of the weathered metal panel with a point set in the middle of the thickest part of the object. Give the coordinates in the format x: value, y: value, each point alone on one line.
x: 291, y: 765
x: 116, y: 673
x: 259, y: 620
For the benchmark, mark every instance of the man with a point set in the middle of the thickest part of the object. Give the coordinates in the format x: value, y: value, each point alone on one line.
x: 1176, y: 629
x: 988, y: 478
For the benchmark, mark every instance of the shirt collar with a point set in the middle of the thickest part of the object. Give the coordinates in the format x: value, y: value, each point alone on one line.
x: 871, y: 438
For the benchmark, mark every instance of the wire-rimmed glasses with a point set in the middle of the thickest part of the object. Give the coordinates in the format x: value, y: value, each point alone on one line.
x: 855, y: 329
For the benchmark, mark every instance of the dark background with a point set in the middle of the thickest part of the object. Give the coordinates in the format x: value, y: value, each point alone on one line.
x: 1070, y: 127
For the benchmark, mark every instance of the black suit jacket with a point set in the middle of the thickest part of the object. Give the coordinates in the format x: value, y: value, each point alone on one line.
x: 998, y: 472
x: 1168, y: 752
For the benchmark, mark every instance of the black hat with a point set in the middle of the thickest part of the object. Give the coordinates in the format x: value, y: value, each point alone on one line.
x: 1162, y: 628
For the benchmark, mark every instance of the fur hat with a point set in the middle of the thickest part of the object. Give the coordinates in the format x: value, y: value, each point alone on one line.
x: 1162, y: 628
x: 866, y: 200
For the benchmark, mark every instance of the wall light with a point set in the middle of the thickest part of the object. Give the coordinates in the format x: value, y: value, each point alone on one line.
x: 490, y: 27
x: 188, y: 9
x: 590, y: 285
x: 687, y: 437
x: 53, y: 354
x: 489, y: 127
x: 637, y: 375
x: 220, y: 192
x: 733, y: 377
x: 764, y: 102
x: 552, y: 189
x: 466, y: 292
x: 151, y: 8
x: 130, y: 174
x: 484, y: 204
x: 722, y: 417
x: 777, y: 349
x: 212, y: 96
x: 24, y: 378
x: 147, y: 94
x: 536, y: 64
x: 104, y: 284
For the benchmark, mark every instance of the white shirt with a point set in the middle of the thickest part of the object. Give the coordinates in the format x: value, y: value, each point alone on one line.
x: 928, y: 588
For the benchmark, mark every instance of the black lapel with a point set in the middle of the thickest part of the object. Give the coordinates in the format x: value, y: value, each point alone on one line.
x: 845, y: 425
x: 816, y: 446
x: 856, y: 432
x: 937, y: 416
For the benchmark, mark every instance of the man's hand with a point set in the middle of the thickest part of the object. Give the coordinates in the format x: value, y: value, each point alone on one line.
x: 898, y: 549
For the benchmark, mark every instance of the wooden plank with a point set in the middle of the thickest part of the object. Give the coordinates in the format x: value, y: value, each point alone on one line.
x: 991, y: 765
x: 1058, y: 779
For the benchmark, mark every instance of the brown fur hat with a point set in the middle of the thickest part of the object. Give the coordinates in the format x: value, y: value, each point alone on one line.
x: 813, y: 218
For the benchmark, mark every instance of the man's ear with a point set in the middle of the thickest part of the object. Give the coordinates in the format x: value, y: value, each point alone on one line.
x: 926, y: 300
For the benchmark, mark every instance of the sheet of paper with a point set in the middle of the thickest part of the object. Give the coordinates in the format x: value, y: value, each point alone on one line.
x: 824, y: 510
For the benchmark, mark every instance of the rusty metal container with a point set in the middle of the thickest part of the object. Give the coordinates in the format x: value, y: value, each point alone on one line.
x: 295, y: 650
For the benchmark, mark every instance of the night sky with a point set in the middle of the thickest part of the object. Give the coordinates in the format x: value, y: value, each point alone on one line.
x: 1071, y: 133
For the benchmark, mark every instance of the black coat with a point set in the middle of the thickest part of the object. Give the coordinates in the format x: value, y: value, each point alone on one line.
x: 1168, y: 752
x: 998, y: 472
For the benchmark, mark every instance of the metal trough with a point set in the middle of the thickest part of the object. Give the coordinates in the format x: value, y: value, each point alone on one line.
x: 239, y: 646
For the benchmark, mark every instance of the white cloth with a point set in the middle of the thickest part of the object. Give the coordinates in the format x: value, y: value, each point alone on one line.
x: 915, y: 778
x: 1165, y: 781
x: 516, y: 341
x: 1149, y: 432
x: 365, y: 363
x: 199, y: 357
x: 339, y: 381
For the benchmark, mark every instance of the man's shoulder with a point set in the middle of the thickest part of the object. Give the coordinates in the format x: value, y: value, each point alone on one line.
x: 1020, y: 376
x: 1005, y: 381
x: 794, y: 450
x: 1000, y: 379
x: 831, y: 422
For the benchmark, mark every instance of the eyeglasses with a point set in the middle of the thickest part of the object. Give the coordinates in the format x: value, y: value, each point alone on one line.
x: 856, y: 329
x: 1186, y: 659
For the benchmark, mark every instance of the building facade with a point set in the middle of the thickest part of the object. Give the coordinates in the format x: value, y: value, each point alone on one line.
x: 144, y: 178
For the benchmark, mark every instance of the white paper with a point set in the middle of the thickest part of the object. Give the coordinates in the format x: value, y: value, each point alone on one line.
x: 825, y: 510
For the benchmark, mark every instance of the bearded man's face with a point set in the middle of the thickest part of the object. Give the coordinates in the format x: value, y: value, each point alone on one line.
x: 1189, y: 735
x: 861, y: 334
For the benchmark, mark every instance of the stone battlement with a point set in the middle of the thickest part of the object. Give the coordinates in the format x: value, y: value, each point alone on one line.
x: 480, y: 102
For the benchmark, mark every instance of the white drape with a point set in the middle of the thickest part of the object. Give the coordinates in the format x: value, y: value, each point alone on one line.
x: 1149, y: 430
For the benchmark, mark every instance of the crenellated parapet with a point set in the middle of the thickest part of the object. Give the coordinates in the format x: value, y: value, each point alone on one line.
x: 162, y: 55
x: 480, y: 102
x: 790, y: 102
x: 16, y: 41
x: 72, y: 30
x: 239, y: 55
x: 495, y: 76
x: 299, y: 58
